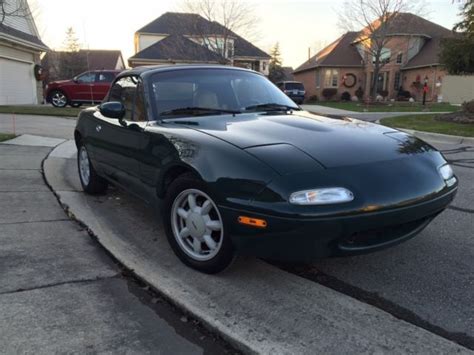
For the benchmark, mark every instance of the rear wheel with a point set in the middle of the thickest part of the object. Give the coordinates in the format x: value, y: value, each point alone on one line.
x: 91, y: 182
x: 194, y: 226
x: 58, y: 99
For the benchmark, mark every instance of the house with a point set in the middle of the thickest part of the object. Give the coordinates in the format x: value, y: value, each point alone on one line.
x: 20, y: 50
x: 54, y: 62
x: 190, y: 38
x: 410, y: 58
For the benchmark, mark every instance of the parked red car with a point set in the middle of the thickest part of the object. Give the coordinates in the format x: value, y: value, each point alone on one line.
x: 86, y: 88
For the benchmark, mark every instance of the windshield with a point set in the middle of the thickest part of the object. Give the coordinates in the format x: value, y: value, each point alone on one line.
x: 294, y: 86
x: 213, y: 91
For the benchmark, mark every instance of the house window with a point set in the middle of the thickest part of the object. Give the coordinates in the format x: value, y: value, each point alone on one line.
x: 264, y: 66
x: 331, y: 78
x: 396, y: 81
x: 385, y: 55
x: 399, y: 58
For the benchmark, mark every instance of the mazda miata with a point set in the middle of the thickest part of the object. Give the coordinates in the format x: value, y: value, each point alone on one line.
x: 235, y: 167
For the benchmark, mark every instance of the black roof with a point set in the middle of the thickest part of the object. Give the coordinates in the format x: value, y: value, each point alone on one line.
x: 22, y: 35
x: 178, y: 48
x: 192, y: 24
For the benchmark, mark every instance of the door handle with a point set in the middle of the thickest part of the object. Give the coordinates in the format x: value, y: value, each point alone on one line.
x: 98, y: 128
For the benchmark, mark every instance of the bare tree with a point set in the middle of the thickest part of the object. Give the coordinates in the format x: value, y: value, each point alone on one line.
x: 226, y: 18
x: 376, y: 19
x: 13, y: 8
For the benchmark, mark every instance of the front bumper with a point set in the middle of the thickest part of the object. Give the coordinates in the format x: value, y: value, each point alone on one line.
x: 307, y: 239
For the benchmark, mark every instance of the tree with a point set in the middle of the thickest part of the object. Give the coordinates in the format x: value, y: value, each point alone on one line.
x: 376, y: 18
x: 457, y: 54
x: 13, y: 8
x: 275, y: 69
x: 226, y: 17
x: 71, y: 61
x: 71, y: 43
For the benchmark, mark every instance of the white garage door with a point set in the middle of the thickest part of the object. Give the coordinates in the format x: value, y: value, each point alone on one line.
x: 17, y: 83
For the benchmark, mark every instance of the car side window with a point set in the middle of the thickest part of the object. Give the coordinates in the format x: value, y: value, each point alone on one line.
x: 86, y: 78
x: 105, y: 77
x: 129, y: 91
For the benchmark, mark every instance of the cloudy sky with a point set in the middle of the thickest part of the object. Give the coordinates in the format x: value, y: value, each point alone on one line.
x: 296, y: 24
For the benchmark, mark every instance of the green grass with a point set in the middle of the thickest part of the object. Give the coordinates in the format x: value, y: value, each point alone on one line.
x: 41, y: 110
x: 427, y: 123
x: 6, y: 136
x: 394, y: 107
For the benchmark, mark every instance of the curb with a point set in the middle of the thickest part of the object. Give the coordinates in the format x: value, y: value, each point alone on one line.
x: 438, y: 137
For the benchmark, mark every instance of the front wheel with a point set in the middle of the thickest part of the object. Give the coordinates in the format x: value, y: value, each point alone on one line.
x: 91, y: 182
x: 59, y: 99
x: 194, y: 226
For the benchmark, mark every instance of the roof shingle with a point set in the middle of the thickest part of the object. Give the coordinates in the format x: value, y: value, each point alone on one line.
x: 178, y: 23
x: 178, y: 48
x: 23, y: 36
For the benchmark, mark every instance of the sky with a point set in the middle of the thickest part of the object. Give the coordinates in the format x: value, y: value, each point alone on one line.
x: 296, y: 24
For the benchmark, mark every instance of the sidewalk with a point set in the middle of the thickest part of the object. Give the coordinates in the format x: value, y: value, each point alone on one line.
x: 60, y: 292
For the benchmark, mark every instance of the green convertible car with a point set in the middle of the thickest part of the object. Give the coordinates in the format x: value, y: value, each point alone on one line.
x: 236, y: 167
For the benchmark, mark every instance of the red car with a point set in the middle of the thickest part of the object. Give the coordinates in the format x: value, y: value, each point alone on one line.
x: 86, y: 88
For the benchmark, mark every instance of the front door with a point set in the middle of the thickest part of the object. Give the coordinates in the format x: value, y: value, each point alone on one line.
x: 84, y: 87
x: 117, y: 143
x: 102, y: 84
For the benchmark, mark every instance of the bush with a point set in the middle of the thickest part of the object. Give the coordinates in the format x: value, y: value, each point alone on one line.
x: 383, y: 93
x: 403, y: 95
x: 346, y: 96
x: 468, y: 107
x: 329, y: 93
x: 312, y: 98
x: 359, y: 93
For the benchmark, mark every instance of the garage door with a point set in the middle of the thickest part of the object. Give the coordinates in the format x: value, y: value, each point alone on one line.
x: 17, y: 83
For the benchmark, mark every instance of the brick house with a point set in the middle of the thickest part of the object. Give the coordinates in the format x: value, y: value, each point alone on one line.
x: 411, y: 57
x: 189, y: 38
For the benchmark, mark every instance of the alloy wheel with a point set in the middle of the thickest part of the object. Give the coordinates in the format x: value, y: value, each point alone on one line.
x: 59, y: 99
x: 197, y: 224
x: 84, y: 166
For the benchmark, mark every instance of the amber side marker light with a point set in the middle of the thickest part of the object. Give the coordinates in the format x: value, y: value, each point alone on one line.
x: 254, y: 222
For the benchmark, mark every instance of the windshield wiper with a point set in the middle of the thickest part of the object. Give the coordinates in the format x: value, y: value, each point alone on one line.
x: 197, y: 111
x: 272, y: 107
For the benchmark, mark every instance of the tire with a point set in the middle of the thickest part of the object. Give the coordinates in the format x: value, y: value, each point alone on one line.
x: 91, y: 183
x: 205, y: 246
x: 76, y: 104
x: 58, y: 99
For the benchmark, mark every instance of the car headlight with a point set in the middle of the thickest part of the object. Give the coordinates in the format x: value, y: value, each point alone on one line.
x: 447, y: 174
x: 324, y: 196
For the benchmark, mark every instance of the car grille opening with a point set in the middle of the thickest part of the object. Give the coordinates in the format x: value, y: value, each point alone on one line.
x: 378, y: 236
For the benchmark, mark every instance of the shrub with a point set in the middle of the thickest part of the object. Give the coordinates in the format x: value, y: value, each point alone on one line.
x: 329, y: 93
x: 359, y: 93
x: 312, y: 98
x: 383, y: 93
x: 403, y: 95
x: 468, y: 106
x: 346, y: 96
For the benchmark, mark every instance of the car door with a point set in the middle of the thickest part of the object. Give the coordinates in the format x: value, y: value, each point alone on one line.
x: 102, y: 84
x: 117, y: 141
x: 83, y: 88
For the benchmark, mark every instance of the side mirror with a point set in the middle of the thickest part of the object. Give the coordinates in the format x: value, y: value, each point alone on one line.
x: 112, y: 109
x: 75, y: 79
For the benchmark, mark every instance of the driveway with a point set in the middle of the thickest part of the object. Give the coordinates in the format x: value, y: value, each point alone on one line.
x: 59, y: 290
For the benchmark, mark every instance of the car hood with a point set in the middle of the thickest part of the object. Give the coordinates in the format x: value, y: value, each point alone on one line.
x: 331, y: 142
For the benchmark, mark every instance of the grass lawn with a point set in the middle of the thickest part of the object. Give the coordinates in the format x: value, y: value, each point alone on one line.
x: 395, y: 106
x: 41, y: 110
x: 427, y: 123
x: 6, y: 136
